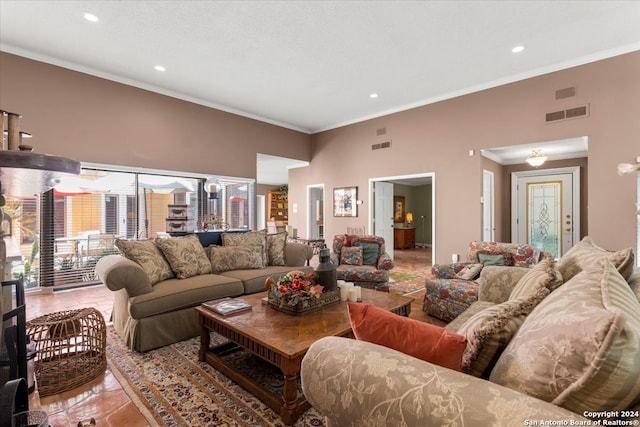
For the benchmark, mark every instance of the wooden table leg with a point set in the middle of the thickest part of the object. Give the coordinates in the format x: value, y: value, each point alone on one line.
x: 205, y: 339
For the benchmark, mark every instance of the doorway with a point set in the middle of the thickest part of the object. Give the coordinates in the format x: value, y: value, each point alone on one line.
x: 315, y: 211
x: 423, y: 216
x: 545, y: 209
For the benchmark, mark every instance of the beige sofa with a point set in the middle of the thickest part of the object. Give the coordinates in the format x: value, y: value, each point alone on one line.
x: 559, y: 342
x: 155, y: 295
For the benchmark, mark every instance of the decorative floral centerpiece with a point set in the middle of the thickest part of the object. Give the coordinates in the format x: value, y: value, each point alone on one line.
x: 297, y: 293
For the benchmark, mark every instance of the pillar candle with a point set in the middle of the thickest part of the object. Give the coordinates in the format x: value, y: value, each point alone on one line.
x: 353, y: 296
x: 358, y: 293
x: 344, y: 293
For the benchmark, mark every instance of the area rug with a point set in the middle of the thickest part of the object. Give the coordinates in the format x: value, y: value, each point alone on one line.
x: 175, y: 389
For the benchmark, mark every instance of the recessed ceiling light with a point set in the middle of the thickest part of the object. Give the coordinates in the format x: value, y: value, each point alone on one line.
x: 160, y: 68
x: 373, y: 95
x: 91, y: 17
x: 517, y: 49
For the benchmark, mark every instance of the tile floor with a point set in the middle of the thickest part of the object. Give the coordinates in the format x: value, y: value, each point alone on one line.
x: 104, y: 398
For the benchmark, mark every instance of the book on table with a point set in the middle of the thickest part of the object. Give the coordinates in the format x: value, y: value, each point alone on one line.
x: 226, y: 306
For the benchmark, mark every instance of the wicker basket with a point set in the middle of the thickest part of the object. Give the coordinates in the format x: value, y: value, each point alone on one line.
x: 70, y: 349
x: 327, y: 298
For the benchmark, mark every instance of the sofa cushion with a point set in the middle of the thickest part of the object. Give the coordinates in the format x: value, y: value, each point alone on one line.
x: 489, y: 331
x: 351, y: 255
x: 276, y: 244
x: 492, y: 259
x: 146, y: 254
x: 418, y: 339
x: 175, y: 294
x: 586, y: 253
x: 225, y: 258
x: 252, y: 238
x: 473, y: 309
x: 542, y: 275
x: 369, y: 252
x: 580, y: 348
x: 254, y: 280
x: 496, y: 283
x: 186, y: 255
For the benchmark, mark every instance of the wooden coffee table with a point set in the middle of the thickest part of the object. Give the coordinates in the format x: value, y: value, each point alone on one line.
x: 282, y: 340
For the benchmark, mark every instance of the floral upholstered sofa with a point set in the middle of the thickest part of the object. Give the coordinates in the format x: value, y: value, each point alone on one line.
x: 558, y: 342
x: 453, y: 287
x: 363, y: 260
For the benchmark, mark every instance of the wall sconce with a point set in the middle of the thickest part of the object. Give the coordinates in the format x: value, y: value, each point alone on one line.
x: 625, y: 168
x: 409, y: 217
x: 536, y: 159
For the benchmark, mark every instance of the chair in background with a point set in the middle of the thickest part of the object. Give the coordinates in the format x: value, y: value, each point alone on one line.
x: 363, y: 260
x: 453, y: 287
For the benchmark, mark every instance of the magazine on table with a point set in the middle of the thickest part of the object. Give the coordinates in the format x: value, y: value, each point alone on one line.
x: 226, y: 306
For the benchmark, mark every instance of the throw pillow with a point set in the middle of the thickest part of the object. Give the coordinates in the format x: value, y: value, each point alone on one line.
x: 369, y: 252
x: 586, y: 253
x: 351, y: 255
x: 489, y: 331
x: 252, y: 238
x: 348, y: 238
x: 228, y: 258
x: 491, y: 259
x: 580, y: 347
x: 146, y: 254
x: 418, y: 339
x: 276, y: 244
x: 545, y: 274
x: 186, y: 255
x: 469, y: 271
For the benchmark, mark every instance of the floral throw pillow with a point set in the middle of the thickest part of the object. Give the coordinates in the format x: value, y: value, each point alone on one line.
x: 276, y: 244
x: 146, y: 254
x: 185, y: 255
x: 351, y: 255
x: 228, y: 258
x: 252, y: 238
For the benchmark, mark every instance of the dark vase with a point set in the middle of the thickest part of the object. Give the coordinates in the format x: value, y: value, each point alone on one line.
x: 326, y: 272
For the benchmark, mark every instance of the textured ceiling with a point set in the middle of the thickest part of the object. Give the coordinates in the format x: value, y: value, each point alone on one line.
x: 311, y: 66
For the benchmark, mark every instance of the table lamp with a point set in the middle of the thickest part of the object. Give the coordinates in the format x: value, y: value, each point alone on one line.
x: 409, y: 218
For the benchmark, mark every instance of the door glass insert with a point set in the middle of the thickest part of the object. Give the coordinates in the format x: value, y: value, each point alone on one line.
x: 544, y: 216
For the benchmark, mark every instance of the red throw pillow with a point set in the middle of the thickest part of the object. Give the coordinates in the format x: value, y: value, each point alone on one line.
x: 347, y: 240
x: 418, y: 339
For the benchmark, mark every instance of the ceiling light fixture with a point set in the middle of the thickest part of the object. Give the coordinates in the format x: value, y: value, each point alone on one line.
x: 536, y: 159
x: 91, y: 17
x: 517, y: 49
x: 373, y: 95
x: 159, y: 68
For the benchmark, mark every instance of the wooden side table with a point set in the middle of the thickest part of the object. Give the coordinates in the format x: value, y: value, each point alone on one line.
x: 404, y: 238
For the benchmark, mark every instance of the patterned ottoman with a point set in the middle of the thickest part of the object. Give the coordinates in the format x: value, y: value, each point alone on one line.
x: 447, y: 299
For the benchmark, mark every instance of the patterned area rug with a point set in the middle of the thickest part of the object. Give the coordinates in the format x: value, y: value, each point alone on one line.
x: 173, y: 388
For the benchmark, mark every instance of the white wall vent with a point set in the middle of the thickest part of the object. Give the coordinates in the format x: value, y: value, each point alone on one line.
x: 569, y: 113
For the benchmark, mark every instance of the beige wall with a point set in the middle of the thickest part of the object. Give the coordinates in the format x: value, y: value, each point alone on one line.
x: 95, y: 120
x: 437, y: 138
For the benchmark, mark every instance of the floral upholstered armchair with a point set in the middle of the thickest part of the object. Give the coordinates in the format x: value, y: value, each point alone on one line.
x: 453, y: 287
x: 363, y: 260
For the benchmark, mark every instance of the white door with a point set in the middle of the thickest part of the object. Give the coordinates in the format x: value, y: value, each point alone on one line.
x: 260, y: 212
x: 383, y: 213
x: 488, y: 221
x: 547, y: 210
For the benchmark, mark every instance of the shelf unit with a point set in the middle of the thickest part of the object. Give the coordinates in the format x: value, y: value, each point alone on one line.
x: 278, y: 204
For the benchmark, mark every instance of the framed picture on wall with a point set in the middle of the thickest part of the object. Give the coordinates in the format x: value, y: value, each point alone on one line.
x: 344, y: 201
x: 398, y: 208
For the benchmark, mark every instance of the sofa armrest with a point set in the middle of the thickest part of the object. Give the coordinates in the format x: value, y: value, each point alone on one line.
x: 496, y: 282
x: 297, y: 254
x: 356, y: 383
x: 385, y: 262
x: 118, y: 272
x: 448, y: 271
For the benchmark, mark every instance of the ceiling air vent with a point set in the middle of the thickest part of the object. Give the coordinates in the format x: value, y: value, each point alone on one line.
x: 569, y: 113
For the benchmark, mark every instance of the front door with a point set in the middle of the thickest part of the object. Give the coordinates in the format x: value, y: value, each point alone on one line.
x: 546, y: 209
